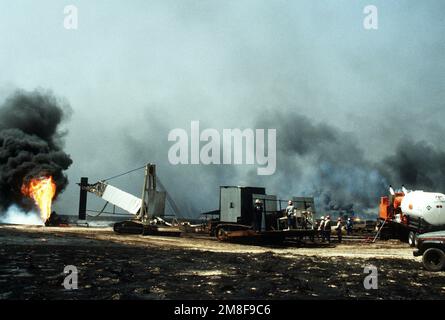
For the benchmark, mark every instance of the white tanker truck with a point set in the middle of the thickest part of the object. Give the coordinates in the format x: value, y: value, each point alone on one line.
x: 407, y: 213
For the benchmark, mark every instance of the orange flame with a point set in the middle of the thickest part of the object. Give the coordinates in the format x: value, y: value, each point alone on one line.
x: 42, y: 191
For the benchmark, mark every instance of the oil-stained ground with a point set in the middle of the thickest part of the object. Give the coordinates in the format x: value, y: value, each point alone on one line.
x: 111, y: 266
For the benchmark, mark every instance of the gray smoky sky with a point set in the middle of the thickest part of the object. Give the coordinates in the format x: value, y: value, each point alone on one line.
x: 354, y: 109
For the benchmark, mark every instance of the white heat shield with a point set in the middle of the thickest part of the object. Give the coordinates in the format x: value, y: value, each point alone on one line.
x: 122, y: 199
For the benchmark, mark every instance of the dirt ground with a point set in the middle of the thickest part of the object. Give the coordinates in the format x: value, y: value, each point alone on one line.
x: 111, y: 266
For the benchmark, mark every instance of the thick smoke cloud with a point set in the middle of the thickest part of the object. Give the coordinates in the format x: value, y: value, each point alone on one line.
x: 416, y: 164
x: 325, y: 162
x: 31, y: 143
x: 332, y: 164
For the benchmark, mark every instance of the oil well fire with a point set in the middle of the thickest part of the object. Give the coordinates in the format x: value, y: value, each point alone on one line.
x: 32, y: 160
x: 42, y: 190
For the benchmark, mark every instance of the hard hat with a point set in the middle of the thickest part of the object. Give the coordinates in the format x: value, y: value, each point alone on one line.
x: 339, y: 219
x: 289, y: 202
x: 322, y: 217
x: 257, y: 201
x: 328, y: 217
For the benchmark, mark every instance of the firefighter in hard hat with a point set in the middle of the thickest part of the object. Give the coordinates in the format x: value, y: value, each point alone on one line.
x: 290, y: 214
x: 258, y: 215
x: 349, y: 225
x: 321, y: 228
x: 338, y: 228
x: 327, y: 228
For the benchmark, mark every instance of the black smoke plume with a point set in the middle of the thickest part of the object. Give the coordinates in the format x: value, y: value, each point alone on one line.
x: 31, y: 143
x: 416, y: 164
x: 320, y: 160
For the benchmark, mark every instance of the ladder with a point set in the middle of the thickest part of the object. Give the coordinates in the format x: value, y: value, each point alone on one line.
x: 378, y: 232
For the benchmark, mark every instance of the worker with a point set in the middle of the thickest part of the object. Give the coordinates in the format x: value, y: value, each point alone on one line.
x: 321, y: 228
x: 338, y: 228
x: 349, y: 226
x: 290, y: 214
x: 327, y: 229
x: 258, y: 215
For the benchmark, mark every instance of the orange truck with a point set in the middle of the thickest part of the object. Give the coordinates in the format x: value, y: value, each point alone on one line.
x: 405, y: 214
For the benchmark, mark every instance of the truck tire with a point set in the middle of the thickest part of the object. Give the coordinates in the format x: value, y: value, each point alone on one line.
x: 412, y: 239
x: 434, y: 259
x: 221, y: 234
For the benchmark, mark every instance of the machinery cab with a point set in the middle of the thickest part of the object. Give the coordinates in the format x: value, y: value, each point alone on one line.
x: 237, y: 207
x: 390, y: 206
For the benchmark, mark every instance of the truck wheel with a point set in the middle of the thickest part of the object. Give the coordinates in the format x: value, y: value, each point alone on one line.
x: 411, y: 239
x: 434, y: 259
x: 221, y: 234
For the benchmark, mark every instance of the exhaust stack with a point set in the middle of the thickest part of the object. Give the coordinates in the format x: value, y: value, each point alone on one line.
x: 391, y: 191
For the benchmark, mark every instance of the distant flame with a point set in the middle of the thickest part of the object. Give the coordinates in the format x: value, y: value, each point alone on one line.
x: 42, y: 191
